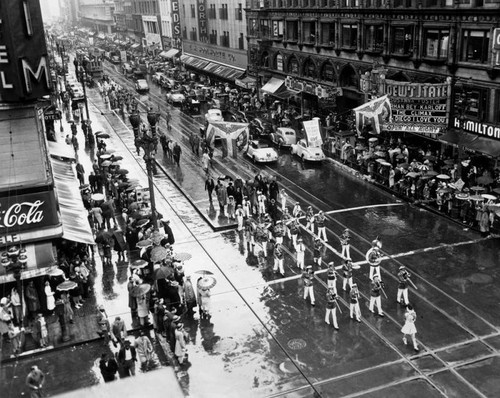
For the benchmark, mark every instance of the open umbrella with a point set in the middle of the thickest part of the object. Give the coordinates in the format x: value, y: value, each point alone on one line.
x: 445, y: 190
x: 485, y: 180
x: 140, y: 290
x: 207, y: 282
x: 84, y: 187
x: 106, y: 163
x: 158, y: 253
x: 380, y: 154
x: 462, y: 196
x: 403, y: 165
x: 122, y: 171
x: 108, y: 152
x: 105, y: 156
x: 412, y: 174
x: 142, y: 223
x: 476, y: 198
x: 443, y: 176
x: 116, y: 158
x: 496, y: 190
x: 66, y: 285
x: 157, y: 237
x: 423, y: 167
x: 204, y: 272
x: 385, y: 163
x: 139, y: 263
x: 380, y: 160
x: 182, y: 256
x: 426, y: 177
x: 144, y: 243
x: 97, y: 197
x: 55, y: 272
x: 102, y: 135
x: 432, y: 173
x: 477, y: 188
x: 162, y: 273
x: 488, y: 196
x: 449, y: 161
x: 115, y: 164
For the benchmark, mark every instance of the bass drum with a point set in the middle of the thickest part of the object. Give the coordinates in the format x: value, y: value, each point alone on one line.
x: 373, y: 256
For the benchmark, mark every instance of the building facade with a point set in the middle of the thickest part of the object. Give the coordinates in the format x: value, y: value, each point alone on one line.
x: 325, y: 49
x: 213, y: 37
x: 98, y: 15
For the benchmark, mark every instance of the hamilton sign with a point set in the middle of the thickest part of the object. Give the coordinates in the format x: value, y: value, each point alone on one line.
x: 478, y: 128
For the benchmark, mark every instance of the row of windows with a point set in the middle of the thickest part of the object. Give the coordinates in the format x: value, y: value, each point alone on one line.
x: 223, y: 12
x: 436, y: 42
x: 145, y: 7
x: 283, y: 4
x: 213, y: 38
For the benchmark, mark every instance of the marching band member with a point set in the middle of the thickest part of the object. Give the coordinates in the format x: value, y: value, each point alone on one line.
x: 301, y: 251
x: 297, y: 210
x: 409, y: 327
x: 347, y: 272
x: 247, y: 207
x: 376, y: 288
x: 262, y: 233
x: 331, y: 277
x: 404, y: 280
x: 286, y: 217
x: 250, y: 234
x: 278, y: 259
x: 331, y: 308
x: 261, y: 201
x: 354, y: 302
x: 344, y: 242
x: 293, y: 227
x: 283, y: 198
x: 310, y: 219
x: 318, y: 251
x: 320, y: 222
x: 240, y: 217
x: 278, y: 232
x: 308, y: 278
x: 374, y: 258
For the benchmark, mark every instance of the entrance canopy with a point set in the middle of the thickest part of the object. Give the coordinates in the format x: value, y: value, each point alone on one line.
x: 169, y: 54
x: 474, y: 142
x: 273, y: 85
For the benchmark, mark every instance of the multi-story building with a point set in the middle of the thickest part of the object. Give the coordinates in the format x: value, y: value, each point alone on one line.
x: 322, y: 51
x: 145, y: 17
x: 213, y: 38
x: 97, y: 15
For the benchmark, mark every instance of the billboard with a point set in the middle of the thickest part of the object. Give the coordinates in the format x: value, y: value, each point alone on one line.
x: 24, y: 64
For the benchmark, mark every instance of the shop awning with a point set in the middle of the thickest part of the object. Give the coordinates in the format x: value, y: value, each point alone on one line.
x: 472, y: 142
x: 284, y: 93
x: 169, y: 54
x: 272, y: 85
x: 73, y: 215
x: 214, y: 68
x: 246, y: 82
x: 40, y: 257
x: 194, y: 62
x: 62, y: 151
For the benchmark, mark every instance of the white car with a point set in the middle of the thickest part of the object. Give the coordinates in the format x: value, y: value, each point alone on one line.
x: 175, y: 97
x: 284, y: 136
x: 261, y: 152
x: 141, y: 86
x: 305, y: 152
x: 214, y: 115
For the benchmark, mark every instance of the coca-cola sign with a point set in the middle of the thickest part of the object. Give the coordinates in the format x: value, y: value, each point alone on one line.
x: 27, y: 212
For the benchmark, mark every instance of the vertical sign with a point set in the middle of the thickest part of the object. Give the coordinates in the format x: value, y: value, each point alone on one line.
x: 176, y: 20
x: 202, y: 21
x: 496, y: 48
x: 24, y: 74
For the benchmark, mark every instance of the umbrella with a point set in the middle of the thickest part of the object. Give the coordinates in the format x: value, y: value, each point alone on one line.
x: 162, y: 273
x: 488, y: 196
x: 423, y: 167
x: 380, y: 160
x: 412, y: 174
x: 117, y: 157
x: 207, y: 282
x: 182, y: 256
x: 404, y: 165
x: 373, y: 139
x: 476, y: 197
x: 159, y: 253
x: 122, y: 171
x: 102, y: 135
x: 496, y: 190
x: 139, y: 263
x: 204, y: 272
x: 108, y: 152
x: 140, y: 290
x: 106, y: 163
x: 359, y: 147
x: 105, y: 156
x: 66, y: 285
x: 156, y: 237
x: 445, y: 190
x: 462, y: 196
x: 426, y: 177
x: 485, y: 180
x: 477, y: 188
x: 115, y: 163
x: 142, y: 223
x: 55, y: 272
x: 449, y: 161
x: 144, y: 243
x: 84, y: 186
x: 443, y: 176
x: 380, y: 153
x: 122, y: 184
x: 97, y: 196
x: 385, y: 163
x: 432, y: 173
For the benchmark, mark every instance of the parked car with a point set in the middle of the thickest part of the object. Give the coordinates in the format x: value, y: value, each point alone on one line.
x: 214, y: 115
x: 236, y: 116
x: 141, y: 86
x: 115, y: 59
x: 261, y: 152
x: 127, y: 69
x: 261, y: 127
x: 157, y: 77
x: 175, y: 97
x: 305, y: 152
x: 284, y: 136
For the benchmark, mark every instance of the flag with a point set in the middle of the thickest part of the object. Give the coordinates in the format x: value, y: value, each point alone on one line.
x: 373, y: 112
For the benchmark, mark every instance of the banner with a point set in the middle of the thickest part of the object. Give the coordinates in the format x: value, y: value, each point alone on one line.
x: 234, y: 136
x: 313, y: 132
x: 373, y: 113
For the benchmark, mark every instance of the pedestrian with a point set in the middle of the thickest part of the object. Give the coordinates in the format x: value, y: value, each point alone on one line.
x: 80, y: 173
x: 221, y: 197
x: 205, y: 161
x: 143, y: 309
x: 40, y: 332
x: 301, y: 251
x: 344, y: 243
x: 278, y: 259
x: 118, y: 331
x: 308, y: 278
x: 320, y: 224
x: 108, y: 367
x: 68, y: 311
x: 103, y: 326
x: 16, y: 336
x: 261, y: 201
x: 283, y: 199
x: 297, y: 211
x: 310, y: 217
x: 404, y: 280
x: 49, y: 294
x: 144, y: 349
x: 15, y: 301
x: 189, y: 295
x: 176, y: 153
x: 240, y: 217
x: 331, y: 308
x: 204, y: 302
x: 373, y: 257
x: 209, y: 187
x: 409, y: 328
x: 318, y: 251
x: 347, y: 272
x: 376, y: 287
x: 180, y: 343
x: 169, y: 234
x: 32, y: 300
x: 97, y: 217
x: 231, y: 207
x: 354, y: 297
x: 34, y: 381
x: 127, y: 357
x: 331, y: 277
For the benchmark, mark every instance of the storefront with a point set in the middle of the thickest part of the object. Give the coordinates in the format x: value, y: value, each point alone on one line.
x: 215, y: 70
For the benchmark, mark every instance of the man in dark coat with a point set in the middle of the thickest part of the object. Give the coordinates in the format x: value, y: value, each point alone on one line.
x: 209, y: 186
x: 273, y: 190
x: 168, y: 232
x: 108, y: 367
x: 127, y: 358
x: 177, y: 153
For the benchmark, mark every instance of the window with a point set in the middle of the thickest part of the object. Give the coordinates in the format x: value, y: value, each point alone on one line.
x: 402, y: 40
x: 212, y: 38
x: 349, y: 35
x: 212, y: 13
x: 223, y: 14
x: 328, y: 72
x: 472, y: 101
x: 193, y: 34
x: 193, y: 11
x: 293, y: 66
x: 475, y: 45
x: 309, y: 69
x: 278, y: 64
x: 239, y: 12
x: 241, y: 42
x: 374, y: 38
x: 374, y: 3
x: 264, y: 28
x: 252, y: 27
x: 224, y: 39
x: 436, y: 43
x: 292, y: 30
x: 309, y: 32
x: 327, y: 33
x: 402, y: 3
x: 278, y: 29
x: 184, y: 33
x: 349, y: 3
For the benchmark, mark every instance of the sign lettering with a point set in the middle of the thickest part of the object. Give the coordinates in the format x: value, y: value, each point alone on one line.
x: 202, y: 21
x: 176, y: 20
x: 478, y: 128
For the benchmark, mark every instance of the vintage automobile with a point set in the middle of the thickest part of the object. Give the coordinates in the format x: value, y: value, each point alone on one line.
x: 284, y: 136
x: 305, y: 152
x: 157, y: 77
x: 176, y: 97
x: 261, y: 152
x: 214, y: 115
x: 141, y: 86
x: 261, y: 127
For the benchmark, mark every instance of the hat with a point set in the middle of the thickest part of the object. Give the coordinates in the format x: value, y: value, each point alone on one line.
x: 4, y: 301
x: 101, y: 307
x: 239, y: 206
x: 176, y: 318
x: 127, y: 341
x: 180, y: 325
x: 309, y: 267
x: 402, y: 267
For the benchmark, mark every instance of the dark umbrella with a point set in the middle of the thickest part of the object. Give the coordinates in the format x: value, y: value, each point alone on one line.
x: 204, y: 272
x: 207, y: 282
x: 158, y: 253
x: 140, y: 290
x: 139, y: 264
x: 102, y: 135
x: 484, y: 180
x: 162, y: 273
x: 182, y: 256
x: 122, y: 171
x: 66, y: 285
x: 116, y: 158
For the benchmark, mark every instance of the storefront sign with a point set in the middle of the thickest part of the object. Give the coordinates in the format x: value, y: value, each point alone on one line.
x: 176, y: 20
x: 24, y: 74
x: 230, y: 57
x: 495, y: 59
x: 202, y: 21
x: 312, y: 88
x: 416, y: 107
x: 54, y: 115
x: 313, y: 132
x: 478, y: 128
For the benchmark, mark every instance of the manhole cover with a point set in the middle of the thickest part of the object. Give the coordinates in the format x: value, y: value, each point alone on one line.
x: 296, y: 344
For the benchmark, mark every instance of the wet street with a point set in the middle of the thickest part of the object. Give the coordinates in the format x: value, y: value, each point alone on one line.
x: 265, y: 340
